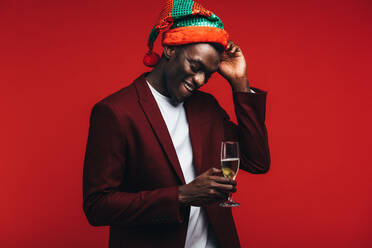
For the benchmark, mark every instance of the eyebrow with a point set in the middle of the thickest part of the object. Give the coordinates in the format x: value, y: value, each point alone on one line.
x: 201, y: 64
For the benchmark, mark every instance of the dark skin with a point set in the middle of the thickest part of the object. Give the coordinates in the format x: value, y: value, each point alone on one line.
x: 180, y: 71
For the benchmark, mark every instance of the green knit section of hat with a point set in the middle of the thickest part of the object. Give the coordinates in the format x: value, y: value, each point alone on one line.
x: 201, y: 21
x: 181, y: 8
x: 181, y: 14
x: 153, y: 34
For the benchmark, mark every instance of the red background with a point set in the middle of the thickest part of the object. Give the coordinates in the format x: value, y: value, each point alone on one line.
x: 57, y: 58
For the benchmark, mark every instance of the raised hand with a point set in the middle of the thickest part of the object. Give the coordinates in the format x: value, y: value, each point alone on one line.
x: 234, y: 68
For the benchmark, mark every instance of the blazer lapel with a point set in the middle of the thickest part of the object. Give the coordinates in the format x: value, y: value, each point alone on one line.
x: 194, y: 118
x: 152, y: 111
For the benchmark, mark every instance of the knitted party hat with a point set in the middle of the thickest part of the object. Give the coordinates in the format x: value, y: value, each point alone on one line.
x: 182, y: 22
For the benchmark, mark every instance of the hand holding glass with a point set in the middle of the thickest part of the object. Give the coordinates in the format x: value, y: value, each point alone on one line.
x: 230, y: 160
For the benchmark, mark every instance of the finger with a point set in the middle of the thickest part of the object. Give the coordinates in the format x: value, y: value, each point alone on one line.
x: 216, y: 171
x: 238, y: 49
x: 223, y: 180
x: 223, y: 187
x: 213, y: 171
x: 233, y: 49
x: 223, y: 195
x: 227, y: 190
x: 218, y: 194
x: 230, y: 45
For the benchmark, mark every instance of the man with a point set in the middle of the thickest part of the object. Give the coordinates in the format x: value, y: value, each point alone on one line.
x: 152, y: 157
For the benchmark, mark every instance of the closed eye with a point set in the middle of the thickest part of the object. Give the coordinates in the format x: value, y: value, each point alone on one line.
x: 194, y: 68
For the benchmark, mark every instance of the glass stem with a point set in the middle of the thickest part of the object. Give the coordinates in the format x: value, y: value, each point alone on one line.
x: 230, y: 197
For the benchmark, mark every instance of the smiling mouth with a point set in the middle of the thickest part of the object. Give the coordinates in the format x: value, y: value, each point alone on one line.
x: 188, y: 86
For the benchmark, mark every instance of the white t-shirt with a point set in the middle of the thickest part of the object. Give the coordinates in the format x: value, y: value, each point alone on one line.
x: 178, y: 127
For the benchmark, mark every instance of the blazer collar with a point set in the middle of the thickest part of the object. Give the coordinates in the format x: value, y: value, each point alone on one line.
x: 194, y: 118
x: 153, y: 114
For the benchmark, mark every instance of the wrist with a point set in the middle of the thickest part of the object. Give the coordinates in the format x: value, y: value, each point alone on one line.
x: 181, y: 197
x: 240, y: 84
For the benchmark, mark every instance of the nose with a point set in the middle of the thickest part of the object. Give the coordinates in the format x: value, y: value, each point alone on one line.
x: 199, y: 79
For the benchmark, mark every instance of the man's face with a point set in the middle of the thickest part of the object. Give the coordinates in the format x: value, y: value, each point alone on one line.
x: 189, y: 67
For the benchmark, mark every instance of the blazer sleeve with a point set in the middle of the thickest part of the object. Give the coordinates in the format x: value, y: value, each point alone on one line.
x: 251, y: 132
x: 104, y: 164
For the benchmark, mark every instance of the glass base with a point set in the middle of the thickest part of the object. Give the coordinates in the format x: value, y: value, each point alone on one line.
x: 229, y: 204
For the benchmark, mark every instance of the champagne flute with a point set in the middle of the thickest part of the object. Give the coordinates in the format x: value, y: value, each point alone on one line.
x: 230, y: 160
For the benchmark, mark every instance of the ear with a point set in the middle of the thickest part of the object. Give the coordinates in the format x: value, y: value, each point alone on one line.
x: 169, y: 52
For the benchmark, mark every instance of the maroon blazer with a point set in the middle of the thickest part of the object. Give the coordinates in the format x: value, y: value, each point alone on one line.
x: 132, y: 173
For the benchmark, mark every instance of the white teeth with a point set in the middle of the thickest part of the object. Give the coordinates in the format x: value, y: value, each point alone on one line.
x: 188, y: 87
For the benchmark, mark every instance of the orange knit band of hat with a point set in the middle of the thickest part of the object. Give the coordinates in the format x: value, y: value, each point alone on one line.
x: 194, y: 34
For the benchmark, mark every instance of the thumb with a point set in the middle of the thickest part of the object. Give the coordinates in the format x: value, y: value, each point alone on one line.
x: 213, y: 171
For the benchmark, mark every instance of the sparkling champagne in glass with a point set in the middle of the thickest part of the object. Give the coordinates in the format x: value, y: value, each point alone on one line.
x: 230, y: 160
